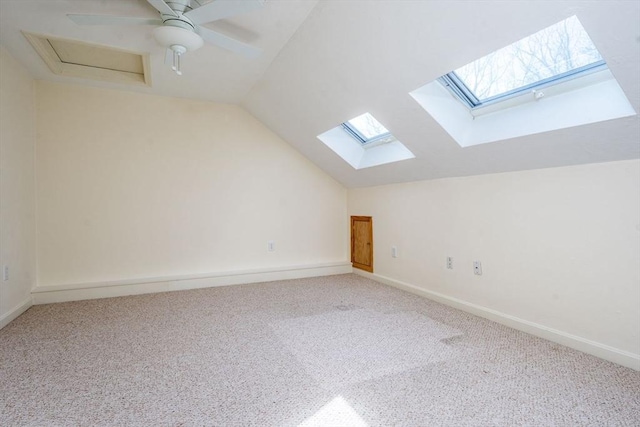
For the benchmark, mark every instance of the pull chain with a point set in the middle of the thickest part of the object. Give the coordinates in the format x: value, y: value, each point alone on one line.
x: 176, y: 62
x: 178, y: 51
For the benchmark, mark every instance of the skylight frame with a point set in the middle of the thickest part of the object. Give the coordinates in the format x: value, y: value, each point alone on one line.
x: 455, y: 84
x: 361, y: 138
x: 459, y: 85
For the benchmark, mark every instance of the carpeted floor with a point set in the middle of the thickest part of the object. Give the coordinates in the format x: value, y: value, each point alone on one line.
x: 339, y: 350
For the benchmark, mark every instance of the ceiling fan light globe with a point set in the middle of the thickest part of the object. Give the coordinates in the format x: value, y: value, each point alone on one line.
x: 168, y: 36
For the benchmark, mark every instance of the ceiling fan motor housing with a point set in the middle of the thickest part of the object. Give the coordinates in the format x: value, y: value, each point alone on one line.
x: 177, y: 31
x: 169, y: 35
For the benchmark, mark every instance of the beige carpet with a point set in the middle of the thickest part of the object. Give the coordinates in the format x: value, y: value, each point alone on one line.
x: 340, y: 350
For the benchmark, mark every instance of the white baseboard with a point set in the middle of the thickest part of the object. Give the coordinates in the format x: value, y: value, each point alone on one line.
x: 83, y: 291
x: 6, y: 318
x: 594, y: 348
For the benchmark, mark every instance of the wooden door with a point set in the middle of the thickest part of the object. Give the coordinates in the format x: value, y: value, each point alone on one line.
x: 362, y: 242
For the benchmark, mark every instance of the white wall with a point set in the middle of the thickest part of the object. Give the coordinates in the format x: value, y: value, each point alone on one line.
x: 559, y: 247
x: 17, y: 186
x: 134, y: 186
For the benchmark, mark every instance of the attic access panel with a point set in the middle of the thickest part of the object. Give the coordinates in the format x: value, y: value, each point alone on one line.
x: 89, y: 56
x: 74, y: 58
x: 561, y: 51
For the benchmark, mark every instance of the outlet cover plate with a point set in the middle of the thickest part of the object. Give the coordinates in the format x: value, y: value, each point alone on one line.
x: 477, y: 268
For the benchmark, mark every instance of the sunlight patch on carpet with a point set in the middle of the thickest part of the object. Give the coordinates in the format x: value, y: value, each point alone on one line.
x: 348, y: 347
x: 338, y: 412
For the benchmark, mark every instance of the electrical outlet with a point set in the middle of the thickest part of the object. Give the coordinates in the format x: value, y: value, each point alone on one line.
x: 450, y: 263
x: 271, y: 246
x: 5, y: 273
x: 477, y: 268
x: 394, y: 252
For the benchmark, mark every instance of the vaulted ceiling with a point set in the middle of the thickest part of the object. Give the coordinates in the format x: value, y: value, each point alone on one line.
x: 326, y: 62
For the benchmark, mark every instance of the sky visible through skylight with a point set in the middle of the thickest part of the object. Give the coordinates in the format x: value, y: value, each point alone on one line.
x: 368, y: 126
x: 555, y: 50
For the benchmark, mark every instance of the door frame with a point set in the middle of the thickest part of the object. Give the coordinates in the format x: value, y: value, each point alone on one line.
x: 368, y: 219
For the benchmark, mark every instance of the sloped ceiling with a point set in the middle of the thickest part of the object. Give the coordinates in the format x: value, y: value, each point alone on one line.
x: 328, y: 61
x: 350, y: 57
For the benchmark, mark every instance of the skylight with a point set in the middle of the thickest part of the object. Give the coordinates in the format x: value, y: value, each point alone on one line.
x: 553, y: 79
x: 364, y: 142
x: 554, y: 54
x: 366, y: 129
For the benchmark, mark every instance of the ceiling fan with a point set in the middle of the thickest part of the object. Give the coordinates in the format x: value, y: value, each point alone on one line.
x: 179, y: 26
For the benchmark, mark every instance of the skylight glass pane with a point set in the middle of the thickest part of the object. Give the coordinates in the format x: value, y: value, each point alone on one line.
x: 368, y: 126
x: 558, y: 49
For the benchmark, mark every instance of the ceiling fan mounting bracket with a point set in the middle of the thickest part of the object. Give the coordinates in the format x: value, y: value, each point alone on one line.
x: 180, y: 21
x: 179, y: 6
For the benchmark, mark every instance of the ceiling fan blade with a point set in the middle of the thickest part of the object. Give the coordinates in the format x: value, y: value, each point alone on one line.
x: 162, y: 7
x: 228, y: 43
x: 220, y: 9
x: 112, y: 20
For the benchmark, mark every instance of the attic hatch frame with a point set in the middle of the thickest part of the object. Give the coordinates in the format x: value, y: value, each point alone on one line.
x: 43, y: 47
